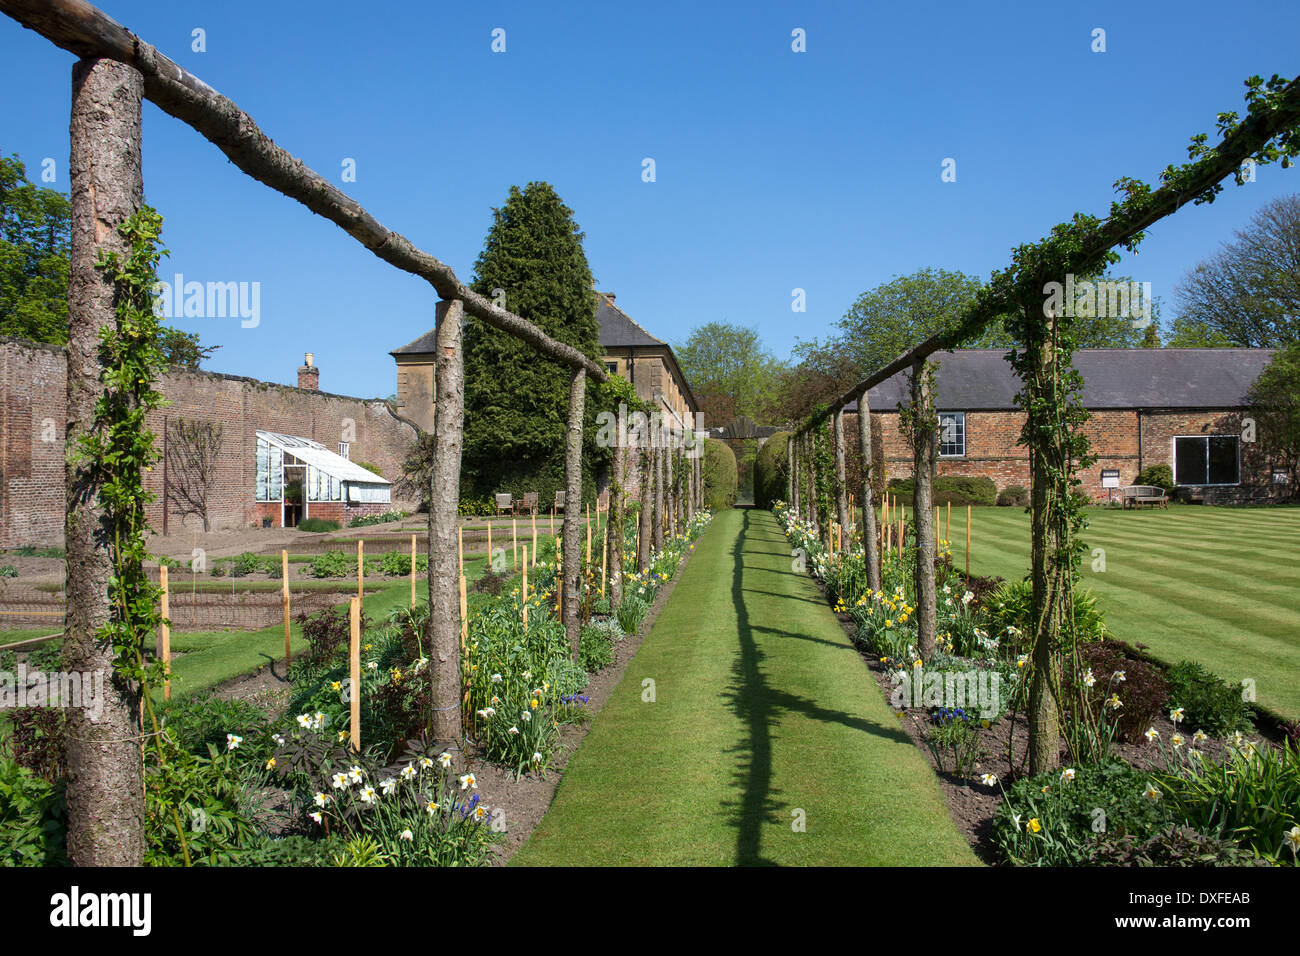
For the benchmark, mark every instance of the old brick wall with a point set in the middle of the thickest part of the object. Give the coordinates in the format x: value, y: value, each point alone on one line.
x: 32, y: 419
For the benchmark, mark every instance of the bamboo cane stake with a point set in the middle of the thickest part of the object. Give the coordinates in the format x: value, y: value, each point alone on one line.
x: 533, y: 515
x: 412, y: 572
x: 524, y: 591
x: 489, y: 564
x: 165, y: 634
x: 947, y: 527
x: 354, y: 674
x: 514, y: 542
x: 284, y: 599
x: 968, y: 544
x: 604, y: 562
x: 361, y: 569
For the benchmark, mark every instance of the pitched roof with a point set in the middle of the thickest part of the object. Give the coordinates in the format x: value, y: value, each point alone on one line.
x: 979, y: 379
x: 617, y: 329
x: 318, y: 456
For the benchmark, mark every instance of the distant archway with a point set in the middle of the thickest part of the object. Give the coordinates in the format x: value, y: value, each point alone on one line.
x: 745, y: 437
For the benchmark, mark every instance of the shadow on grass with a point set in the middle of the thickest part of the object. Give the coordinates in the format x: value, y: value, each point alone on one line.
x: 760, y: 706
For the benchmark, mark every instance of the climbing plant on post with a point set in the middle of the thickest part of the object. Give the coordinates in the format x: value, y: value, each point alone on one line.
x: 573, y: 509
x: 645, y: 519
x: 660, y: 491
x: 919, y: 424
x: 105, y: 795
x: 841, y: 486
x: 871, y: 554
x: 444, y: 496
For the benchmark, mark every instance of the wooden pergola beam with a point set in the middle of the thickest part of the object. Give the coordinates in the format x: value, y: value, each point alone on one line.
x: 83, y: 29
x: 1235, y: 148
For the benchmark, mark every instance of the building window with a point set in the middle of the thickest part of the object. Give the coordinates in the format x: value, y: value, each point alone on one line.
x: 344, y: 450
x: 611, y: 367
x: 952, y: 434
x: 1207, y: 460
x: 270, y: 471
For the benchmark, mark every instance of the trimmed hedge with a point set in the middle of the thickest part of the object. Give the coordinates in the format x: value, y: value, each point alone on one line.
x: 1162, y: 476
x: 958, y: 489
x: 770, y: 470
x: 720, y: 475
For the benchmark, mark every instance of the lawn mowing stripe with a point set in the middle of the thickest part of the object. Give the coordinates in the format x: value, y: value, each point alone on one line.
x: 763, y: 708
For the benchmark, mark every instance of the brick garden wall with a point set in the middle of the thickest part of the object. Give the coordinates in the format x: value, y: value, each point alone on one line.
x: 32, y: 427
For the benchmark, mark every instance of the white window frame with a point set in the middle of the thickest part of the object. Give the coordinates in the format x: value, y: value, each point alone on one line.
x: 1173, y: 458
x: 345, y: 450
x: 961, y: 417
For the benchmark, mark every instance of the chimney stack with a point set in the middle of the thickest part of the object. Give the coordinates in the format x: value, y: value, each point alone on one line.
x: 308, y: 374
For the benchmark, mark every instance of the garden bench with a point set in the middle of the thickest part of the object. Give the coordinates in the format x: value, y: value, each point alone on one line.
x: 1135, y: 496
x: 505, y: 502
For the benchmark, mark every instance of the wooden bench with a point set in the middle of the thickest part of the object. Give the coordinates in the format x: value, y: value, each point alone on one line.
x: 505, y: 503
x: 1135, y: 496
x: 529, y: 503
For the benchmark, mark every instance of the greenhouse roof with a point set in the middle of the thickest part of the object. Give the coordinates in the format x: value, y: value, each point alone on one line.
x: 318, y: 456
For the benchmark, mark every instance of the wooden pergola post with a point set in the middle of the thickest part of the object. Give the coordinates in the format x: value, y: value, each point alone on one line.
x: 688, y: 460
x: 444, y: 495
x: 573, y: 508
x: 841, y: 486
x: 870, y: 549
x: 645, y: 521
x: 796, y: 474
x: 923, y: 508
x: 1049, y: 529
x: 105, y: 771
x: 789, y: 472
x: 659, y: 490
x: 614, y: 525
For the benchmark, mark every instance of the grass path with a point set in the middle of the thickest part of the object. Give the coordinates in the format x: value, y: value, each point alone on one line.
x: 1216, y: 585
x: 762, y: 710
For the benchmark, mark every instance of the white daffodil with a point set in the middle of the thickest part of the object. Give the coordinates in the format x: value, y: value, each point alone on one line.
x: 355, y: 773
x: 1176, y: 714
x: 315, y: 815
x: 388, y: 785
x: 1152, y: 735
x: 445, y: 760
x: 1151, y: 793
x: 368, y: 794
x: 1292, y: 840
x: 513, y: 730
x: 425, y: 763
x: 304, y: 721
x: 279, y: 739
x: 1200, y: 737
x: 988, y: 779
x: 1067, y: 775
x: 496, y: 678
x: 467, y: 782
x: 406, y: 835
x: 409, y: 772
x: 1120, y: 676
x: 433, y: 807
x: 321, y: 799
x: 537, y: 757
x: 525, y: 716
x: 340, y: 781
x: 1088, y: 679
x: 233, y: 741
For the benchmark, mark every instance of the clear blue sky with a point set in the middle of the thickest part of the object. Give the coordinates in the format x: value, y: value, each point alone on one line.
x: 775, y: 169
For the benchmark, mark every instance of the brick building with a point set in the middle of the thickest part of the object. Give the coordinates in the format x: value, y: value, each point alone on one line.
x: 32, y: 449
x: 1178, y: 407
x: 628, y: 350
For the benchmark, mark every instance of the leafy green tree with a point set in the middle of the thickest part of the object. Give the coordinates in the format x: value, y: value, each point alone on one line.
x: 516, y: 401
x: 1275, y: 406
x: 730, y: 372
x: 35, y: 238
x: 1247, y: 294
x: 34, y: 242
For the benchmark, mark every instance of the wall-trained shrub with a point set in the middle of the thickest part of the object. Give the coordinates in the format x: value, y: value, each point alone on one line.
x: 720, y: 475
x: 770, y: 469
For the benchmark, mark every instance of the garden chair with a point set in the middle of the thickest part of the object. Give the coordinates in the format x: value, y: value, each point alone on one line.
x: 559, y: 501
x: 505, y: 502
x: 529, y: 502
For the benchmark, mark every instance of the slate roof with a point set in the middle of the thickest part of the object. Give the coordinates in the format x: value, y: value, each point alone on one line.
x: 617, y: 330
x: 981, y: 379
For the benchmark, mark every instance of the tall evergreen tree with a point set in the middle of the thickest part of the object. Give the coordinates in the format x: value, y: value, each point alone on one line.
x: 516, y: 401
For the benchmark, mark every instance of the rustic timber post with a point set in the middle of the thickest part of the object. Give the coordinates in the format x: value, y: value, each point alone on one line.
x: 789, y: 472
x: 670, y: 488
x: 659, y: 491
x: 841, y: 487
x: 573, y: 508
x: 1049, y: 530
x: 614, y: 526
x: 679, y: 497
x: 923, y: 429
x: 870, y: 551
x: 105, y: 770
x: 444, y: 494
x: 645, y: 520
x: 689, y: 461
x: 796, y: 478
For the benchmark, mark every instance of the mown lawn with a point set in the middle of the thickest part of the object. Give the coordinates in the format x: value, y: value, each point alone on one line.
x: 1216, y: 585
x: 764, y: 717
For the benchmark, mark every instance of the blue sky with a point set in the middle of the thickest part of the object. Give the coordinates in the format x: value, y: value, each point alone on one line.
x: 775, y: 170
